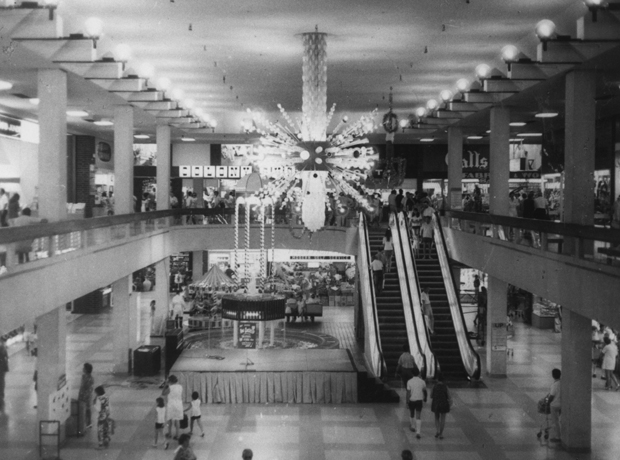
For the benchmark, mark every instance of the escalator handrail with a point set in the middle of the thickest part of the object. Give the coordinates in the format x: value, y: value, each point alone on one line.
x: 404, y: 278
x: 418, y: 292
x: 456, y: 310
x: 371, y: 286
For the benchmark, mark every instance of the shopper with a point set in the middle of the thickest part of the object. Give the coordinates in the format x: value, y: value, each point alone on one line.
x: 427, y: 231
x: 195, y: 414
x: 399, y: 200
x: 160, y: 411
x: 85, y: 395
x: 555, y: 404
x: 392, y: 201
x: 416, y: 397
x: 406, y: 455
x: 377, y: 272
x: 540, y: 206
x: 184, y: 451
x: 177, y: 309
x: 4, y: 368
x: 388, y: 249
x: 4, y: 204
x: 102, y: 406
x: 406, y: 365
x: 440, y: 405
x: 427, y: 310
x: 174, y: 407
x: 13, y: 207
x: 610, y: 353
x: 247, y: 454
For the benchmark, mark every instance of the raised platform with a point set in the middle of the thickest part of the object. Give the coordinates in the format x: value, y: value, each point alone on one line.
x: 276, y: 376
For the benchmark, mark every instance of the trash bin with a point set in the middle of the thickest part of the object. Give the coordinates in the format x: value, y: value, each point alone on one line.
x: 147, y: 360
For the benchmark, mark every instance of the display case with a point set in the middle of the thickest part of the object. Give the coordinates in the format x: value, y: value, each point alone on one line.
x: 544, y: 313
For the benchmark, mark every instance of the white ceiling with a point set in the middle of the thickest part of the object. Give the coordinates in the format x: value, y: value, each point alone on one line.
x: 255, y: 46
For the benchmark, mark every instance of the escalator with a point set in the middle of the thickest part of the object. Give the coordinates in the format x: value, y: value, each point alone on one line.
x: 392, y: 325
x: 454, y: 353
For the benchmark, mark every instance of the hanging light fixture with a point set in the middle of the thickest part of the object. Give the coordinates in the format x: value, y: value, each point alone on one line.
x: 545, y: 31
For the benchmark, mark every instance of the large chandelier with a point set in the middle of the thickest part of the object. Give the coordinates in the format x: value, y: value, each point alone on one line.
x: 306, y: 163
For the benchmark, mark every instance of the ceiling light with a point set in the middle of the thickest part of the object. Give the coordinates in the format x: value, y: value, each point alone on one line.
x: 4, y: 85
x: 483, y: 70
x: 510, y: 53
x: 199, y: 111
x: 488, y: 131
x: 103, y: 123
x: 431, y: 104
x: 474, y: 138
x: 51, y: 2
x: 546, y: 114
x: 34, y: 100
x: 213, y: 123
x: 304, y: 155
x: 188, y: 103
x: 446, y: 95
x: 93, y: 27
x: 515, y: 140
x: 518, y: 123
x: 188, y: 139
x: 141, y: 136
x: 403, y: 123
x: 146, y: 71
x: 545, y: 31
x: 177, y: 94
x: 77, y: 113
x: 462, y: 85
x: 420, y: 112
x: 529, y: 134
x: 427, y: 139
x: 122, y: 53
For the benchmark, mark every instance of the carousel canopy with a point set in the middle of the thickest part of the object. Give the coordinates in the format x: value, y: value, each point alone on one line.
x: 215, y: 278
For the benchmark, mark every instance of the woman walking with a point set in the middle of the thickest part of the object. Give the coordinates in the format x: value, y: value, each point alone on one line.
x: 174, y: 407
x: 102, y: 406
x: 610, y: 352
x: 440, y: 405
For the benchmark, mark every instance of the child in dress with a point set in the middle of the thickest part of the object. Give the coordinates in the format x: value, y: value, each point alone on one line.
x: 161, y: 421
x: 195, y: 414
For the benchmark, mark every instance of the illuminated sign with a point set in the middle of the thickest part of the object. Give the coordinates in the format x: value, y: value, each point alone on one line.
x: 233, y: 172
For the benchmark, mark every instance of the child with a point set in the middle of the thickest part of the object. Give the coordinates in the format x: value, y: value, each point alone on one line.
x: 161, y: 421
x: 195, y: 414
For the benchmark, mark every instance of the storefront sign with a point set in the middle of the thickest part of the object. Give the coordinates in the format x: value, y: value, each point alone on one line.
x: 525, y: 174
x: 214, y: 172
x: 475, y: 160
x: 10, y: 127
x: 247, y: 334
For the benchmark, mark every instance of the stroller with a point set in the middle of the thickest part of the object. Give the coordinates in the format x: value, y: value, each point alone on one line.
x: 544, y: 410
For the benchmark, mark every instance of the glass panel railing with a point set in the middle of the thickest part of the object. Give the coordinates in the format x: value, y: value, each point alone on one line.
x: 372, y: 344
x: 588, y: 243
x: 419, y: 342
x: 471, y: 359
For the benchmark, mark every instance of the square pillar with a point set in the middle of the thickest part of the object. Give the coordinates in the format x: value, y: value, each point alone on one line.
x: 455, y: 167
x: 497, y: 304
x: 51, y: 362
x: 198, y: 185
x: 162, y: 296
x: 499, y: 164
x: 163, y: 167
x: 52, y: 93
x: 125, y: 317
x: 123, y: 160
x: 576, y: 383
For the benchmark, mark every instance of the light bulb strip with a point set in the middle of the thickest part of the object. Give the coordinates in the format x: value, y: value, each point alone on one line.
x: 247, y: 239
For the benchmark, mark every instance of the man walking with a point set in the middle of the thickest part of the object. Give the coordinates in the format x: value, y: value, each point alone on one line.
x: 377, y: 271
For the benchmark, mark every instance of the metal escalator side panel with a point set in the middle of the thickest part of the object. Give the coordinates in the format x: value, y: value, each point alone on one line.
x: 471, y: 359
x: 372, y: 342
x: 416, y: 297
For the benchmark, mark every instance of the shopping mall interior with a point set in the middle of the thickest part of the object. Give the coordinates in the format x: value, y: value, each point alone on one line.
x: 272, y: 203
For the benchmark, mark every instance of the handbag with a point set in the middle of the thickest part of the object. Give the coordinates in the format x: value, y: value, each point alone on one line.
x: 543, y: 406
x: 183, y: 424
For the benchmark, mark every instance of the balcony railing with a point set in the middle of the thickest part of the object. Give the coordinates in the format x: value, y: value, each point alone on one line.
x: 591, y: 243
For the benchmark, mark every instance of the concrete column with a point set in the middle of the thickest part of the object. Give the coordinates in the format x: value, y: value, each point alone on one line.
x: 125, y: 322
x: 51, y: 360
x: 52, y: 92
x: 163, y: 167
x: 499, y: 168
x: 576, y: 384
x: 455, y: 167
x: 198, y: 186
x: 197, y: 266
x: 497, y: 300
x: 162, y: 296
x: 123, y: 160
x: 580, y: 123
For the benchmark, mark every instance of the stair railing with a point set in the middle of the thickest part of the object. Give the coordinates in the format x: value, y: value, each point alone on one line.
x: 413, y: 285
x: 373, y: 352
x: 471, y: 359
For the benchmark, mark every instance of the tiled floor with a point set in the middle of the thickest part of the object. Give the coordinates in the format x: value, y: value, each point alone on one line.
x: 497, y: 422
